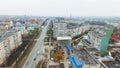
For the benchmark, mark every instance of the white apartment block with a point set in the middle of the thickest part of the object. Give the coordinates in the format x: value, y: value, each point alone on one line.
x: 9, y: 40
x: 6, y: 25
x: 60, y: 29
x: 2, y: 52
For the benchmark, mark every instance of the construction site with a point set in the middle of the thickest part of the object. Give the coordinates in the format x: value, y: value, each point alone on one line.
x: 97, y: 47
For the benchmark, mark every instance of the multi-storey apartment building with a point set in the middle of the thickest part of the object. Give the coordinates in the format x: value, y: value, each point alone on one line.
x: 61, y: 29
x: 9, y: 40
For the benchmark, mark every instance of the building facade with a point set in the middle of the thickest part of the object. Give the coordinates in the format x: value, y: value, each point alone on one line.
x: 61, y: 29
x: 9, y: 40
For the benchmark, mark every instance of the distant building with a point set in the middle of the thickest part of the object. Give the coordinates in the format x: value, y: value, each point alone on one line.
x: 20, y: 26
x: 61, y: 29
x: 32, y: 25
x: 33, y: 21
x: 6, y: 25
x: 95, y: 36
x: 78, y: 30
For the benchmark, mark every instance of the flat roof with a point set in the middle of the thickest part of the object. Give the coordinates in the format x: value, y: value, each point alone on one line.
x: 54, y: 66
x: 64, y: 38
x: 4, y: 34
x: 83, y: 55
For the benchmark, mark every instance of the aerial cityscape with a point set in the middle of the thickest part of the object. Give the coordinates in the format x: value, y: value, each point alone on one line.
x: 60, y: 34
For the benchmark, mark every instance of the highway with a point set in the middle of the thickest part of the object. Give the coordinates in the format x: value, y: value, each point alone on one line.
x: 34, y: 57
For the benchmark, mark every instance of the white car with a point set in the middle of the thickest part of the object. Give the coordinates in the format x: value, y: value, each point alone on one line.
x: 38, y: 52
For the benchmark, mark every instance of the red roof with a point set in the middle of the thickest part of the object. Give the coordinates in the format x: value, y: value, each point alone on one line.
x: 117, y: 37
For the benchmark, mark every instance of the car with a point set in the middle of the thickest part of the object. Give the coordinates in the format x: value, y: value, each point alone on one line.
x: 34, y: 59
x: 38, y: 52
x: 62, y: 65
x: 70, y: 66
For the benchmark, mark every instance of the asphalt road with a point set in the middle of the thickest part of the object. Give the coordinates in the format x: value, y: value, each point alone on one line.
x: 34, y: 57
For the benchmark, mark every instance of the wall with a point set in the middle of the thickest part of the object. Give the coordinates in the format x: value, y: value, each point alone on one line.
x: 12, y: 45
x: 8, y: 44
x: 2, y: 53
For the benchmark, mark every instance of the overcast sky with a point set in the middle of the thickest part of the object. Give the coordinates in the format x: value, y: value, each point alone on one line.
x: 60, y: 7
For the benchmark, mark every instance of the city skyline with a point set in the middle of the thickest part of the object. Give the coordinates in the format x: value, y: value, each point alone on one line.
x: 60, y: 7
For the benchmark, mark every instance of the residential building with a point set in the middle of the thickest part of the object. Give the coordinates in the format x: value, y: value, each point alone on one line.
x: 68, y: 29
x: 20, y: 26
x: 6, y: 25
x: 95, y: 36
x: 9, y: 40
x: 2, y: 52
x: 59, y: 29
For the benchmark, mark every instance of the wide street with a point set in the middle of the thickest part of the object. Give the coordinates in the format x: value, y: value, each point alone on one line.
x: 34, y: 56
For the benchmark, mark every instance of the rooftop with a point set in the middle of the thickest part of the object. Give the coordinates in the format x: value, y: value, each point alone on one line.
x: 84, y: 56
x: 98, y: 34
x: 64, y: 38
x: 6, y: 33
x: 113, y: 64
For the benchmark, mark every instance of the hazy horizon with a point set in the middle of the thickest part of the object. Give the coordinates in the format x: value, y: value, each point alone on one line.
x: 60, y: 7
